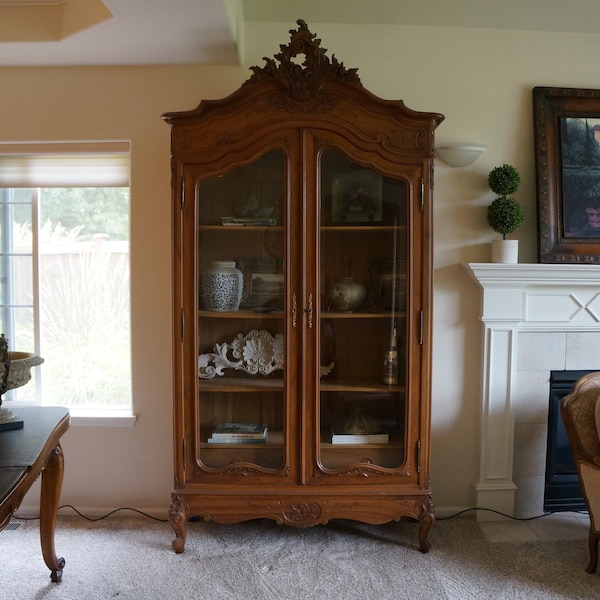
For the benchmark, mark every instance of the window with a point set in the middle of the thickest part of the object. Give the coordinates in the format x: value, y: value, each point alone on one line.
x: 64, y: 276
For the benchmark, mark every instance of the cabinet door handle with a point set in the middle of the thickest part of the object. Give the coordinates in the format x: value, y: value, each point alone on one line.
x: 294, y: 311
x: 309, y: 311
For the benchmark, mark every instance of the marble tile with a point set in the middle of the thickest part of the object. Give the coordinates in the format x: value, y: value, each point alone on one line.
x: 529, y: 497
x: 583, y: 517
x: 583, y: 350
x: 541, y: 351
x: 559, y: 526
x: 512, y: 531
x: 529, y: 457
x: 531, y: 396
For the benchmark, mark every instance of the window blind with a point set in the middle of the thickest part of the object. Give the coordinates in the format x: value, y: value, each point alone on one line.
x: 65, y: 165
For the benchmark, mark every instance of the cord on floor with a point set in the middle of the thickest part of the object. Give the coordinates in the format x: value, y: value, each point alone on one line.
x: 466, y: 510
x: 458, y: 514
x: 112, y: 512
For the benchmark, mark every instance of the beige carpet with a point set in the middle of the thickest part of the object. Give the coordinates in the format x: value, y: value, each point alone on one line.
x: 131, y: 558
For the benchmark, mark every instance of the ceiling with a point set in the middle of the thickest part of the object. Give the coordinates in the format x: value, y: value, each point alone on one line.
x: 137, y: 32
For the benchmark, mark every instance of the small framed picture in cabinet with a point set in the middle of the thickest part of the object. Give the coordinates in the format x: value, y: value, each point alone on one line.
x: 356, y: 197
x: 264, y: 284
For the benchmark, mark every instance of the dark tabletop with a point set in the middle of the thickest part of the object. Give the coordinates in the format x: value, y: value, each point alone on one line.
x: 21, y: 447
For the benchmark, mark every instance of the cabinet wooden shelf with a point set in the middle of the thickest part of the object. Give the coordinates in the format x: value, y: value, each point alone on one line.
x: 247, y: 384
x: 238, y: 229
x: 362, y: 228
x: 361, y: 315
x: 348, y: 179
x: 259, y: 314
x: 359, y: 386
x: 241, y: 314
x: 240, y: 384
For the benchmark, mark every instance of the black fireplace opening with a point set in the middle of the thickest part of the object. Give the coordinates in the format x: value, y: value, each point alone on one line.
x: 561, y: 491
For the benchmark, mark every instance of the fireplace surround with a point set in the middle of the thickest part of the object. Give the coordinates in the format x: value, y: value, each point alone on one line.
x: 536, y: 318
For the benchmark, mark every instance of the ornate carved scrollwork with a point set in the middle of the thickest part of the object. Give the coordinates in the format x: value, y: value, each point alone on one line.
x: 237, y: 467
x: 302, y: 513
x: 256, y: 353
x: 303, y: 82
x: 362, y: 470
x: 365, y: 468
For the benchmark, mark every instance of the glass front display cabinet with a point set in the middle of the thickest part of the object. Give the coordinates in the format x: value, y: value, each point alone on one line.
x: 302, y: 300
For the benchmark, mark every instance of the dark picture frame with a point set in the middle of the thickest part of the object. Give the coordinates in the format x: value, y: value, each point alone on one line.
x: 387, y: 283
x: 357, y: 197
x: 567, y: 154
x: 264, y: 284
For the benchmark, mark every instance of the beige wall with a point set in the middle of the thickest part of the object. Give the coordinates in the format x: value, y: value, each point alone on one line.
x: 480, y: 80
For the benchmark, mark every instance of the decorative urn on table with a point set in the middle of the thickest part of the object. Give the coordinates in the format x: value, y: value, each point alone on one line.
x: 15, y: 371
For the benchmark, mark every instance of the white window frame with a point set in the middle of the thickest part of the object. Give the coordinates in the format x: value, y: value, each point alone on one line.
x: 68, y: 164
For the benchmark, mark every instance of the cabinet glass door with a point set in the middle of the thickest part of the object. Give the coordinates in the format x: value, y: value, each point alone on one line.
x: 241, y: 326
x: 363, y: 325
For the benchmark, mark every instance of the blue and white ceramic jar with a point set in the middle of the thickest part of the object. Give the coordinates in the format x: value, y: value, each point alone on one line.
x: 221, y: 287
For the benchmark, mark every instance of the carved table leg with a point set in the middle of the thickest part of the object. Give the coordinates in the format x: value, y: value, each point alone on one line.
x: 52, y: 477
x: 177, y: 517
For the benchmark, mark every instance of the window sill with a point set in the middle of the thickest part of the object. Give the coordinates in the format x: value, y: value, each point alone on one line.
x: 102, y: 418
x: 81, y: 417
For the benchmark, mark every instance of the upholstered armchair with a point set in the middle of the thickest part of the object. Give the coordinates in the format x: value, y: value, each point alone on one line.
x: 581, y: 415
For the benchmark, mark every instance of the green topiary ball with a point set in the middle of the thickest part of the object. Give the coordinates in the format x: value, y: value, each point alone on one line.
x: 504, y: 180
x: 505, y: 215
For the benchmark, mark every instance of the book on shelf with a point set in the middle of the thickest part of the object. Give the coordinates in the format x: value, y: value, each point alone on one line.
x: 212, y: 440
x: 359, y: 438
x: 246, y: 221
x: 238, y: 433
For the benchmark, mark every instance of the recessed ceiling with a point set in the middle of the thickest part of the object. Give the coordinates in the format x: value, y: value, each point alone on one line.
x: 135, y: 32
x: 48, y: 20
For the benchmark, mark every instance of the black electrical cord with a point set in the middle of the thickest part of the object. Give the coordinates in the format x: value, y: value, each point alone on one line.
x: 458, y: 514
x: 466, y: 510
x: 93, y: 519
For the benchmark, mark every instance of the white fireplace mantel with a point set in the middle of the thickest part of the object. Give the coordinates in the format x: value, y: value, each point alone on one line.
x: 515, y: 298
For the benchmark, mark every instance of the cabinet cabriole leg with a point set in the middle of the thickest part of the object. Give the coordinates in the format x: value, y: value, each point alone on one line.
x: 426, y: 520
x: 177, y: 518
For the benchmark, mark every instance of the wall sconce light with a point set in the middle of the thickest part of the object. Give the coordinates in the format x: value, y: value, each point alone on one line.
x: 460, y: 155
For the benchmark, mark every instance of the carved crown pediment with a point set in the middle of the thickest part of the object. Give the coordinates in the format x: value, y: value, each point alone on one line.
x: 303, y: 80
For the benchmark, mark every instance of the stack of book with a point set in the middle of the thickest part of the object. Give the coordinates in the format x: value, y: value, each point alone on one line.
x: 239, y: 433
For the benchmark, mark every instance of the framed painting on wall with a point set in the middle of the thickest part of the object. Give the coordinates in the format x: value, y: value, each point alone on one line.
x: 567, y: 152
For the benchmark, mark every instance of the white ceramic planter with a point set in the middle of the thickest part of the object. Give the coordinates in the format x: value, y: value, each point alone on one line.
x: 505, y: 251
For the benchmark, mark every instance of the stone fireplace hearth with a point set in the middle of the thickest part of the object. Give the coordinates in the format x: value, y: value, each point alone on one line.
x: 536, y: 318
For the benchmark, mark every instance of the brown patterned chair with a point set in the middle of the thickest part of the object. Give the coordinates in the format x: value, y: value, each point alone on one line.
x: 581, y: 415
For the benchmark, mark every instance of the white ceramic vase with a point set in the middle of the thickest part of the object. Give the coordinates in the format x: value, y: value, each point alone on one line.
x: 505, y: 251
x: 221, y: 287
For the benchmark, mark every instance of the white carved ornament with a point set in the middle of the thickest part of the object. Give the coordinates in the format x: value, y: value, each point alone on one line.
x: 257, y: 353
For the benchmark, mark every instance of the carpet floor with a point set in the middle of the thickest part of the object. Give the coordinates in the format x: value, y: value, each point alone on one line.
x: 131, y: 558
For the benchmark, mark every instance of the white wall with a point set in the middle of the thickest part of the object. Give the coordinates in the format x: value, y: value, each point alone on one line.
x: 481, y: 80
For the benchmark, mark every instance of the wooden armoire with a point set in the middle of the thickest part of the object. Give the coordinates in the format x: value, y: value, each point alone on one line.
x: 302, y: 211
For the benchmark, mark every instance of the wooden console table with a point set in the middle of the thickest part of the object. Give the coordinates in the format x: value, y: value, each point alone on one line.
x: 24, y: 454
